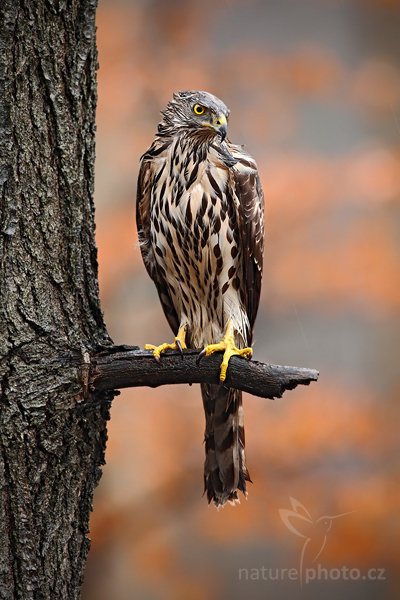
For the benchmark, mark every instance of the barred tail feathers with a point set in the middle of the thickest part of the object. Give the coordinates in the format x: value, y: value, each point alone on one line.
x: 225, y: 469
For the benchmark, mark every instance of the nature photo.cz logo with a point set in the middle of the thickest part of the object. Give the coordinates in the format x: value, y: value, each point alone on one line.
x: 314, y: 533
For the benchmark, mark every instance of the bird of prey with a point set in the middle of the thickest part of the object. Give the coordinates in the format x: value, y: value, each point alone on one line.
x: 200, y: 223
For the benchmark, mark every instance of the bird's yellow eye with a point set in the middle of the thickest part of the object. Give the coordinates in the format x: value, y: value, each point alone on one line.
x: 198, y: 109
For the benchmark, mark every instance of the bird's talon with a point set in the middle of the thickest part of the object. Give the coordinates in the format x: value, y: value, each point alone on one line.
x: 200, y: 356
x: 178, y: 344
x: 227, y: 346
x: 179, y: 347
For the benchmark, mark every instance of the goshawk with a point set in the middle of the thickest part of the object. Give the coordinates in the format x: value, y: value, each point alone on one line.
x: 200, y: 223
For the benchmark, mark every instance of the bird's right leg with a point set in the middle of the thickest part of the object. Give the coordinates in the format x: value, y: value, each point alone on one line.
x: 178, y: 344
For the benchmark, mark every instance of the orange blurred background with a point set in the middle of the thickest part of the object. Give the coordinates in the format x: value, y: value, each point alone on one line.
x: 314, y: 92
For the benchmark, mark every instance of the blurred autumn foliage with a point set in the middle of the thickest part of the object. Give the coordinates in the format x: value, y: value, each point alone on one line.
x: 314, y: 92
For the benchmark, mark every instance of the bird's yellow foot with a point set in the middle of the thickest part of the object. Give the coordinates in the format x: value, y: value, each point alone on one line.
x: 227, y: 346
x: 178, y: 344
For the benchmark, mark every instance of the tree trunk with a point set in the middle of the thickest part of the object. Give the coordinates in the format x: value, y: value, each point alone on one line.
x: 53, y: 430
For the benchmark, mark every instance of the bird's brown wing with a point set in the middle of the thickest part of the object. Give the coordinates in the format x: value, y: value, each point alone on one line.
x: 250, y: 207
x: 146, y: 181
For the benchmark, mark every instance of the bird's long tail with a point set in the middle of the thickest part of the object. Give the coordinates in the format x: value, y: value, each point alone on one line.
x: 225, y: 469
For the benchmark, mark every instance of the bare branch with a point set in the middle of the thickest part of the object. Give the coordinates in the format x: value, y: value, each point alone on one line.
x: 123, y: 366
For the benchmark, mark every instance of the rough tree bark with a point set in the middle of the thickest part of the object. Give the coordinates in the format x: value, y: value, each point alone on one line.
x: 58, y: 367
x: 52, y: 438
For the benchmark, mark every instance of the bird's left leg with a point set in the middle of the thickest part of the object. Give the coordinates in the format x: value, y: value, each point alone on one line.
x: 228, y: 347
x: 178, y: 344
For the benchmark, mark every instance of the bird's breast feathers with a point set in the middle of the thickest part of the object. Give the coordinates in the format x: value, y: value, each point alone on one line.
x: 197, y: 243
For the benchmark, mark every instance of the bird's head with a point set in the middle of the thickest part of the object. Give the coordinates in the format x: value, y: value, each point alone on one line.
x: 325, y: 523
x: 195, y: 111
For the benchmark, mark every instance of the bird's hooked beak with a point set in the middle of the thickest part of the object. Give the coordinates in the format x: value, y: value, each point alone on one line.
x: 220, y: 125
